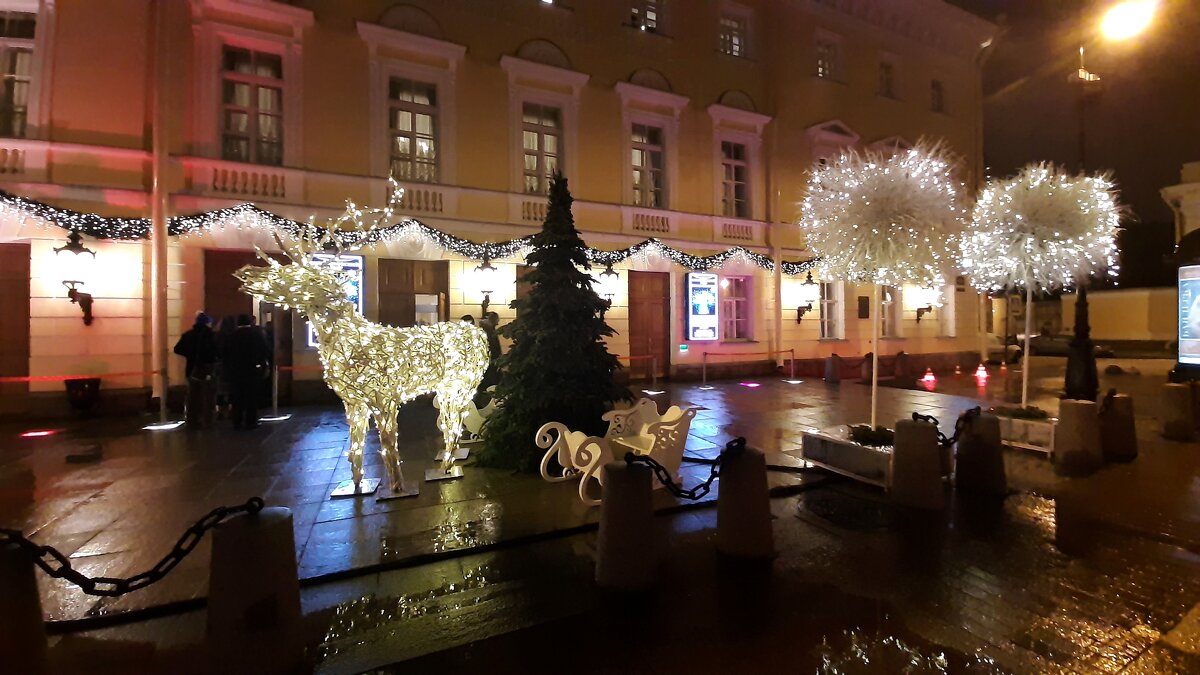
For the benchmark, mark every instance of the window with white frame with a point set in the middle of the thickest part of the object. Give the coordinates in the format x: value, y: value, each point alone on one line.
x: 889, y: 317
x: 648, y: 166
x: 16, y: 58
x: 735, y: 167
x: 937, y: 96
x: 735, y: 308
x: 251, y: 106
x: 541, y: 132
x: 827, y: 58
x: 732, y: 35
x: 831, y: 310
x: 644, y: 15
x: 887, y: 79
x: 413, y: 123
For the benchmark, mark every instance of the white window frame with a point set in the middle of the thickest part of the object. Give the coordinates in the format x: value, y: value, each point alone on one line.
x: 41, y: 67
x: 891, y: 311
x: 740, y: 309
x: 646, y: 169
x: 646, y: 15
x: 734, y: 125
x: 835, y: 65
x: 217, y: 23
x: 744, y: 16
x: 892, y: 64
x: 832, y: 310
x: 251, y: 110
x: 729, y: 183
x: 654, y: 108
x: 542, y: 131
x: 399, y: 54
x: 539, y: 83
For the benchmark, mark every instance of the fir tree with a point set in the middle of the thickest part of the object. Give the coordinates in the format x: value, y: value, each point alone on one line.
x: 558, y: 368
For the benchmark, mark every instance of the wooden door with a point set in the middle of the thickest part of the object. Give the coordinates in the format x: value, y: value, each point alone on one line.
x: 223, y: 295
x: 649, y: 321
x: 402, y: 281
x: 14, y: 326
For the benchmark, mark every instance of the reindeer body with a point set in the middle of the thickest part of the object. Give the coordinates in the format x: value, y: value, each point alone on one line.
x: 375, y: 368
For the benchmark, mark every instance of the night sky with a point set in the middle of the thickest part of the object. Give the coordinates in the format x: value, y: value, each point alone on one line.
x: 1142, y: 125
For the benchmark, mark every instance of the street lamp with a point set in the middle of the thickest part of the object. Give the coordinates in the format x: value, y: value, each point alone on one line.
x: 75, y: 246
x: 485, y: 280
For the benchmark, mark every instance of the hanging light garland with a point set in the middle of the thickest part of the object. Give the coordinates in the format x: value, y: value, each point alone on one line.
x: 367, y: 230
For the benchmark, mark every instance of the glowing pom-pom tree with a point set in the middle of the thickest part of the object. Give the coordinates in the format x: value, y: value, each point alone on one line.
x: 1041, y: 229
x: 887, y: 220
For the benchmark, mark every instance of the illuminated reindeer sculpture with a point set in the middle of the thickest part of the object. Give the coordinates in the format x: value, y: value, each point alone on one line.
x: 374, y: 368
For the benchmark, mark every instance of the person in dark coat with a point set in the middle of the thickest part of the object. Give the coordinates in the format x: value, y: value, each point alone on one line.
x: 488, y: 323
x: 227, y: 325
x: 198, y: 346
x: 246, y: 364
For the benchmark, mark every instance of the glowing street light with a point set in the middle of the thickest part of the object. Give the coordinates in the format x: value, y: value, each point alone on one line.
x: 1128, y: 19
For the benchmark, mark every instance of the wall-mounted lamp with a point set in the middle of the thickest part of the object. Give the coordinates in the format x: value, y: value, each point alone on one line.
x: 84, y: 300
x: 608, y: 278
x: 485, y: 280
x: 922, y: 311
x: 808, y: 280
x: 802, y: 310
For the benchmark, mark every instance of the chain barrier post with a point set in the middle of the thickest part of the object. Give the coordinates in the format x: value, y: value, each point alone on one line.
x: 22, y: 636
x: 703, y: 369
x: 1178, y: 422
x: 1117, y: 434
x: 744, y: 505
x: 979, y: 468
x: 254, y: 621
x: 917, y: 466
x: 1077, y: 449
x: 792, y: 365
x: 275, y: 390
x: 625, y: 558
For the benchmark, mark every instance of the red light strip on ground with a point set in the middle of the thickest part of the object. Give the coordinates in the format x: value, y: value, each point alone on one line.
x: 60, y: 378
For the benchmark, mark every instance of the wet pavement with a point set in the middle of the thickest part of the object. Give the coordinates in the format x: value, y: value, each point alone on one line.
x: 1079, y: 575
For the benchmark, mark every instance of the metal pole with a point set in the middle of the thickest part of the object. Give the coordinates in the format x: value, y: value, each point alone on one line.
x: 704, y: 368
x: 275, y: 390
x: 158, y: 219
x: 653, y: 372
x: 983, y: 333
x: 875, y: 354
x: 1026, y: 362
x: 792, y: 364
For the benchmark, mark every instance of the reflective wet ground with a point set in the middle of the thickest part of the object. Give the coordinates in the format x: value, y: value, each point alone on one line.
x: 1084, y: 575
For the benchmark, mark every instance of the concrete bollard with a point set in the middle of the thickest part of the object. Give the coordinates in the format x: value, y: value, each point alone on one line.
x: 1118, y: 438
x: 744, y: 507
x: 1077, y: 450
x: 917, y: 466
x: 980, y: 466
x: 254, y: 622
x: 1178, y: 421
x: 833, y: 369
x: 22, y: 637
x: 867, y: 367
x: 625, y: 559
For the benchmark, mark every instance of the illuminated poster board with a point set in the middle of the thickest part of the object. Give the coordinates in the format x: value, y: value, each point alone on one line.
x: 702, y: 306
x: 1189, y: 314
x: 351, y: 267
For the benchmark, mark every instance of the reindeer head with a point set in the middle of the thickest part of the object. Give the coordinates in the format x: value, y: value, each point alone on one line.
x: 304, y: 284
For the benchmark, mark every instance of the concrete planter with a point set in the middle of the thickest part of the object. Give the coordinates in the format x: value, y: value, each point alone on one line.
x: 834, y: 451
x: 1037, y: 435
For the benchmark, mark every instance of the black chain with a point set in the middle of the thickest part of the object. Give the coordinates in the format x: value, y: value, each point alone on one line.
x: 959, y: 426
x: 58, y: 566
x: 736, y: 446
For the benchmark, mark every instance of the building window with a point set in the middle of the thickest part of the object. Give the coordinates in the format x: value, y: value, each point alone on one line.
x: 887, y: 79
x: 736, y: 171
x: 16, y: 58
x: 937, y: 96
x: 649, y: 177
x: 831, y: 310
x: 889, y: 318
x: 735, y: 308
x: 542, y: 140
x: 643, y: 15
x: 733, y: 36
x: 412, y: 119
x: 827, y: 58
x: 252, y: 106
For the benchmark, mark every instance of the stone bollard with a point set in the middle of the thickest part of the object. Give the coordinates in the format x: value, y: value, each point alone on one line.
x: 833, y: 369
x: 1118, y: 438
x: 22, y: 637
x: 900, y: 365
x: 867, y: 366
x: 1077, y: 450
x: 625, y: 558
x: 1178, y: 422
x: 744, y: 507
x: 917, y: 466
x: 980, y: 466
x: 254, y: 622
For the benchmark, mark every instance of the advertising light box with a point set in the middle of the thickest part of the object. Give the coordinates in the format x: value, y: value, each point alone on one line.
x: 1189, y: 314
x: 351, y: 268
x: 702, y: 306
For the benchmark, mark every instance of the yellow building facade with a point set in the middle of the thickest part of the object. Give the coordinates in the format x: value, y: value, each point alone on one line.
x: 692, y: 122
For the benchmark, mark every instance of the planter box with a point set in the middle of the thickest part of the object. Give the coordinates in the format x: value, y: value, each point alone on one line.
x: 834, y: 451
x: 1035, y: 435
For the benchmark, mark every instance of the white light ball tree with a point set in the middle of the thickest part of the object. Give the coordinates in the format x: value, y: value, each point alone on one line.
x: 884, y: 219
x: 1042, y: 229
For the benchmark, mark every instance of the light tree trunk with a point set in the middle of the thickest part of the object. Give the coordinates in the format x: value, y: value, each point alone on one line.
x: 1026, y: 361
x: 875, y: 353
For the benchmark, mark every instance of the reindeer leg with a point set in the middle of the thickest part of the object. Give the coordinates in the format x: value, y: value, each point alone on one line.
x: 454, y: 404
x: 386, y: 422
x: 359, y: 417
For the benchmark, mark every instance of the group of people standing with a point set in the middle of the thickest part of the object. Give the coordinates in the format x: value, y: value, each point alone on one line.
x: 225, y: 370
x: 489, y: 323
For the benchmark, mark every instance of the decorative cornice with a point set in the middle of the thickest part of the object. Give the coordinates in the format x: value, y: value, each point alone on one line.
x: 833, y: 131
x: 650, y: 98
x: 262, y: 10
x: 520, y: 69
x: 379, y: 38
x: 736, y: 117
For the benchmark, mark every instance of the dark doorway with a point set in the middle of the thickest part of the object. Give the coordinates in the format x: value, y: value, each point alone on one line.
x: 649, y: 322
x: 14, y: 326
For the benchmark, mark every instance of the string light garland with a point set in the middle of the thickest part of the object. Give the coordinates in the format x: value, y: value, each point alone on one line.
x: 367, y: 231
x: 1042, y: 227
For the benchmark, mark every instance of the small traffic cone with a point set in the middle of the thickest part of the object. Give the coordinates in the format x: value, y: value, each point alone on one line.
x: 957, y: 369
x: 1004, y: 367
x: 981, y: 372
x: 929, y: 377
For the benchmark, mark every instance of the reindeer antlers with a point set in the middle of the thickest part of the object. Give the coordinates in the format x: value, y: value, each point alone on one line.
x: 334, y: 234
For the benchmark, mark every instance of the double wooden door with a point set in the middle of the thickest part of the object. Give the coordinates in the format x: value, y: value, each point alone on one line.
x: 413, y: 292
x: 649, y: 322
x: 14, y: 326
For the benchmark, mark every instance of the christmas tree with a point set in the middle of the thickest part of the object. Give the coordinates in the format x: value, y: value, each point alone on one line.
x: 558, y: 368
